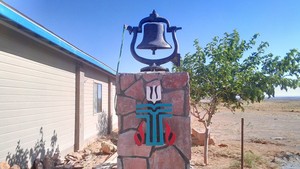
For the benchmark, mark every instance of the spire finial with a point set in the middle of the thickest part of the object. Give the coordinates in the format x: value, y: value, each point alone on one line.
x: 154, y: 14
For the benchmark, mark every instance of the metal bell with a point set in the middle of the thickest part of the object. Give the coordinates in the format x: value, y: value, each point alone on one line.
x: 154, y: 37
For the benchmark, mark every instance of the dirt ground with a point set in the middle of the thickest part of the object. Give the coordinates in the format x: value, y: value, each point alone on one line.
x: 271, y: 135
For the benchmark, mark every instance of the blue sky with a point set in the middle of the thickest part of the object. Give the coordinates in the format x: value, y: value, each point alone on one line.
x: 95, y: 26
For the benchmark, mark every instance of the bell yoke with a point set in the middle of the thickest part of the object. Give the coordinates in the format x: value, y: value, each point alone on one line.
x: 153, y: 39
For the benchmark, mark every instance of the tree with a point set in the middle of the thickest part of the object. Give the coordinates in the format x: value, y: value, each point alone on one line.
x: 223, y: 74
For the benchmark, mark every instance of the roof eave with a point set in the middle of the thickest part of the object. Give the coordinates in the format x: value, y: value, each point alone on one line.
x: 23, y: 22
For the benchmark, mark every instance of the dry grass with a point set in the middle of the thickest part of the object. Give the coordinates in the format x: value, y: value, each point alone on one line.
x: 276, y: 105
x: 263, y: 121
x: 251, y: 160
x: 229, y: 158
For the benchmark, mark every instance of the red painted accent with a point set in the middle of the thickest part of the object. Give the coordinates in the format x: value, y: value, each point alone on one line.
x: 168, y: 132
x: 140, y: 140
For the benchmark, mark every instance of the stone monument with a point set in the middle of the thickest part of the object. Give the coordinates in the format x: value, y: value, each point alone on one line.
x: 153, y: 107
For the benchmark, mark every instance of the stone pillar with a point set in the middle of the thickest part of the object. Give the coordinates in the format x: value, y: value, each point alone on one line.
x: 131, y: 90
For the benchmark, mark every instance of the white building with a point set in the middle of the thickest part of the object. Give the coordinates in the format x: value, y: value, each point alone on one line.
x: 53, y: 96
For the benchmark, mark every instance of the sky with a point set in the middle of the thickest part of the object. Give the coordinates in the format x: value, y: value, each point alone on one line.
x: 96, y: 26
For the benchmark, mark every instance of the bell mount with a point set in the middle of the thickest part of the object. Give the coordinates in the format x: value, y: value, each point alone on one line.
x: 154, y: 64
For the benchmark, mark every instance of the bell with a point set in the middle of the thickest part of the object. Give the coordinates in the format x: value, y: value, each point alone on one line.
x: 154, y: 37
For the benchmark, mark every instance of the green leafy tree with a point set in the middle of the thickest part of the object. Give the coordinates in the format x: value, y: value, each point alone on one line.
x: 231, y: 72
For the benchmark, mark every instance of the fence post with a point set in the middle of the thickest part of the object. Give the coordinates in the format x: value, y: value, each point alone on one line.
x: 242, y: 143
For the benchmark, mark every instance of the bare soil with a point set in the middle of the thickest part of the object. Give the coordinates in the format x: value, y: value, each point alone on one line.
x: 271, y: 138
x: 271, y: 135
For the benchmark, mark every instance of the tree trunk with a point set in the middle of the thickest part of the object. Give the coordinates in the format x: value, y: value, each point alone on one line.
x: 206, y: 141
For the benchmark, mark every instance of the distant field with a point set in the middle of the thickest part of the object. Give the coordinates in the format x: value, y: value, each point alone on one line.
x: 280, y: 104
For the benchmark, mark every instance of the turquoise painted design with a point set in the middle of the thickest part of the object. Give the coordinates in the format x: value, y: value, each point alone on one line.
x: 154, y: 115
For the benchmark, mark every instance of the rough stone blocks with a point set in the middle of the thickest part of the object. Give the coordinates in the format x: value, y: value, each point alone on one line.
x: 131, y: 90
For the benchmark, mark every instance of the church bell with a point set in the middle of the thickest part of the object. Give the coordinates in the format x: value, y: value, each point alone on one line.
x: 154, y: 37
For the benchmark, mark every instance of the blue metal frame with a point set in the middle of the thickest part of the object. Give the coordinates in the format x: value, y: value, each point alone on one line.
x: 17, y: 18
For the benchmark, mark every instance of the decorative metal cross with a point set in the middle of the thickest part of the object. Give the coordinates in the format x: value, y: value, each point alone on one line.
x: 156, y: 133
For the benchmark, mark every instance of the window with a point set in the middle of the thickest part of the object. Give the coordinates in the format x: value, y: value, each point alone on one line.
x: 97, y: 98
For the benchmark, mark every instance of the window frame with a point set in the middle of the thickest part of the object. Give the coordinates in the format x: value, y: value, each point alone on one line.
x: 97, y: 98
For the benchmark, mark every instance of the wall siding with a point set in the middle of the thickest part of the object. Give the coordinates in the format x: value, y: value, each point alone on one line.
x: 37, y: 96
x: 94, y: 124
x: 37, y: 99
x: 113, y: 108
